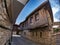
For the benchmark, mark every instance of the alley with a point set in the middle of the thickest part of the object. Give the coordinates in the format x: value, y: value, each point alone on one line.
x: 29, y: 22
x: 18, y: 40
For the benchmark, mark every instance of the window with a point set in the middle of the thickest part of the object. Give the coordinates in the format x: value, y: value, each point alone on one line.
x: 23, y: 25
x: 36, y: 16
x: 32, y: 33
x: 36, y: 33
x: 26, y: 23
x: 31, y: 19
x: 41, y: 34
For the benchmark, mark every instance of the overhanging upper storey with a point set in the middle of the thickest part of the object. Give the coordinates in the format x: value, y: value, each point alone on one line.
x: 14, y: 7
x: 41, y: 17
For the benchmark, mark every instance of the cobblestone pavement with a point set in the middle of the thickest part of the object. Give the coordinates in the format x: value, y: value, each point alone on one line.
x: 18, y: 40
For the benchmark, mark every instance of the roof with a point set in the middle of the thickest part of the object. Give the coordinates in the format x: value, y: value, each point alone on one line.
x: 13, y: 8
x: 56, y: 23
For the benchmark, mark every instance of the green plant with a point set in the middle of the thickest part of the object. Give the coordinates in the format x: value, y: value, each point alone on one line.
x: 56, y: 30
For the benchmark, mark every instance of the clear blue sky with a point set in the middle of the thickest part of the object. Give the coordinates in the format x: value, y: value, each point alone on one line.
x: 33, y: 4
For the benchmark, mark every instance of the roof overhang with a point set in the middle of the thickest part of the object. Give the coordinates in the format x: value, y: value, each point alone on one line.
x: 23, y: 1
x: 14, y: 7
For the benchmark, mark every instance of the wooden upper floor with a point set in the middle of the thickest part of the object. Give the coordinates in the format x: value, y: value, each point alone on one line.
x: 40, y: 17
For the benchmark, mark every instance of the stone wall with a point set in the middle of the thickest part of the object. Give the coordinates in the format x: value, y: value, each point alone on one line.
x: 4, y: 36
x: 5, y: 25
x: 53, y: 39
x: 36, y: 36
x: 56, y: 38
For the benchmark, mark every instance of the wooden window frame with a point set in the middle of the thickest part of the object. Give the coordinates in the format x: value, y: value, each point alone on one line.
x: 31, y: 19
x: 36, y: 16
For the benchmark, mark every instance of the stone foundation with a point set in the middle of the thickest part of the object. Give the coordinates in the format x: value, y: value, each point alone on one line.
x: 5, y: 24
x: 36, y: 36
x: 5, y: 35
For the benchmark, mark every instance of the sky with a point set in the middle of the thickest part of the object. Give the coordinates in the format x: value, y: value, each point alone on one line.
x: 30, y: 6
x: 33, y: 4
x: 55, y: 4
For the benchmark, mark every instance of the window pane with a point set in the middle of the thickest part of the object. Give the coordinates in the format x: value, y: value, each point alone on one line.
x: 37, y: 16
x: 31, y: 19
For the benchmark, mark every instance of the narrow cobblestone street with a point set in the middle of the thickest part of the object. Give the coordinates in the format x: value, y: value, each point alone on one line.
x: 18, y: 40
